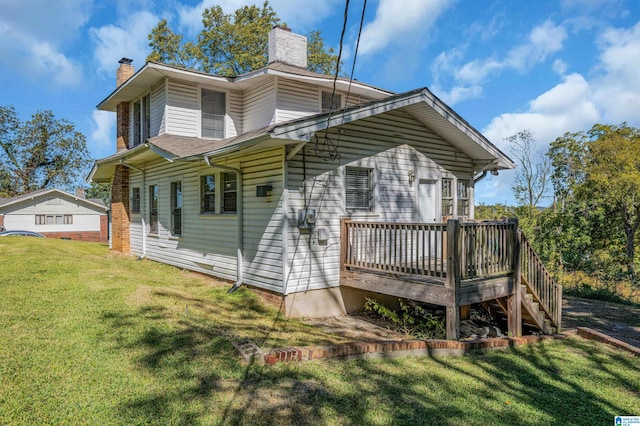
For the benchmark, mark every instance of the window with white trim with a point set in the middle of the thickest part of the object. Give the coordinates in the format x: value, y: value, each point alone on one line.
x: 230, y: 193
x: 54, y: 219
x: 176, y: 208
x: 135, y: 200
x: 153, y: 209
x: 359, y: 189
x: 447, y: 197
x: 208, y: 194
x: 141, y: 120
x: 213, y: 108
x: 463, y: 198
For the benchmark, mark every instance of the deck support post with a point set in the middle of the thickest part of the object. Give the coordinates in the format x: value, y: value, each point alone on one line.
x: 453, y: 278
x: 514, y: 303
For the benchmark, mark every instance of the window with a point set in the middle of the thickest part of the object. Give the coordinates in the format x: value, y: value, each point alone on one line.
x: 447, y: 197
x: 208, y: 194
x: 51, y: 219
x: 135, y: 200
x: 230, y: 192
x: 176, y: 208
x: 463, y: 198
x: 141, y: 121
x: 153, y: 209
x: 358, y: 188
x: 213, y: 113
x: 329, y: 103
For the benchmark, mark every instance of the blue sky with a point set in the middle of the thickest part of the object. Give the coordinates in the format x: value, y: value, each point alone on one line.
x: 547, y: 66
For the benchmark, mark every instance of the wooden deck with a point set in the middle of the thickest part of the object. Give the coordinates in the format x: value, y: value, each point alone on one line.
x: 452, y: 265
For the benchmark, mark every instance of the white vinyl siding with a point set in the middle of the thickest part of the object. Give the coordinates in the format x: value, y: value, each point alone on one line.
x: 182, y: 109
x: 158, y: 110
x: 259, y: 106
x: 296, y: 100
x: 391, y: 145
x: 208, y: 243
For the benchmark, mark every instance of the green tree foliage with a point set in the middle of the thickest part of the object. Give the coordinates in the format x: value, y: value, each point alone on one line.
x: 232, y: 44
x: 596, y: 179
x: 100, y: 190
x: 43, y: 152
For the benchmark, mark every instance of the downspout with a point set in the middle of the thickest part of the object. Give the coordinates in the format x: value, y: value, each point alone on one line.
x: 479, y: 178
x: 142, y: 202
x: 240, y: 251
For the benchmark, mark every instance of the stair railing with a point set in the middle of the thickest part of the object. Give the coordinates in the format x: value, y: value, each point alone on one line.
x: 541, y: 284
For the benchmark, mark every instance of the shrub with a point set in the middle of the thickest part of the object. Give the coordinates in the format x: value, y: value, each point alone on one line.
x: 581, y: 284
x: 412, y: 319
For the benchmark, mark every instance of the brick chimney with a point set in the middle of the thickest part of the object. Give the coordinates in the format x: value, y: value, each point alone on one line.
x: 120, y: 222
x: 287, y: 47
x: 80, y: 193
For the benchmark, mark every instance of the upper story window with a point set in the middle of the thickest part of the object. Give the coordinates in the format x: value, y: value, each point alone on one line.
x: 329, y: 103
x: 359, y: 189
x: 141, y: 120
x: 213, y: 105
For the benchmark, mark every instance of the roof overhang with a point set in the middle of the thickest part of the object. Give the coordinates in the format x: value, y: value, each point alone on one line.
x: 104, y: 169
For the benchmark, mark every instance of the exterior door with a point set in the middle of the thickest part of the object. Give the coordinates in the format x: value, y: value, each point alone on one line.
x: 427, y: 212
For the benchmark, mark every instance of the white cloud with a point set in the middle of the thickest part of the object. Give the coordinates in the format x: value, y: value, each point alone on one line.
x: 560, y: 67
x: 102, y: 140
x: 457, y: 94
x: 128, y: 39
x: 31, y: 43
x: 399, y: 22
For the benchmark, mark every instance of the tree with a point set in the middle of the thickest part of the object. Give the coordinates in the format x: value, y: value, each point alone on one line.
x: 100, y: 190
x: 43, y: 152
x: 531, y: 182
x: 232, y: 44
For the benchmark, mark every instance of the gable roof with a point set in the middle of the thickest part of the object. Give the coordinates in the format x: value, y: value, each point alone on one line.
x: 95, y: 202
x: 152, y: 73
x: 421, y: 104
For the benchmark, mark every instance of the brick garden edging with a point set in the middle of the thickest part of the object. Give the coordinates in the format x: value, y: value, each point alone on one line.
x: 590, y: 334
x: 399, y: 348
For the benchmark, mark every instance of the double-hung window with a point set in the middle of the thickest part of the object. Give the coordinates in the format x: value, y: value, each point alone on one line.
x: 359, y: 189
x: 447, y: 197
x: 153, y: 209
x: 54, y: 219
x: 463, y: 198
x: 176, y: 208
x: 135, y: 200
x: 213, y: 108
x: 208, y: 186
x: 141, y: 120
x: 230, y: 195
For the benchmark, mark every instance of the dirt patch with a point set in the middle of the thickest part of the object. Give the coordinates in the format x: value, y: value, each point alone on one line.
x: 619, y: 321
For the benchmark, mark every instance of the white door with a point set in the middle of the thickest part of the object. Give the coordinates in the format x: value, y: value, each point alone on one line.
x: 427, y: 211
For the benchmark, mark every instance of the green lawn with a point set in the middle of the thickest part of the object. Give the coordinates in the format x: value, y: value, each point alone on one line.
x: 90, y: 337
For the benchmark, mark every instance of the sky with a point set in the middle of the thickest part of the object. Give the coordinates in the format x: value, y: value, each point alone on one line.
x: 545, y: 66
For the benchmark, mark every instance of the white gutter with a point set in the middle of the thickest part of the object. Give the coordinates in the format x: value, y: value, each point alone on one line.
x: 142, y: 203
x: 240, y: 251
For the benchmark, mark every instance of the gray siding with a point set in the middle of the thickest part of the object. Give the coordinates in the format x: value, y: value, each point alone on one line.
x: 392, y: 144
x: 234, y: 114
x: 259, y: 106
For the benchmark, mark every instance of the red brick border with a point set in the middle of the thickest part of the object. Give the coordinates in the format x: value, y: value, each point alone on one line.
x: 398, y: 348
x: 590, y: 334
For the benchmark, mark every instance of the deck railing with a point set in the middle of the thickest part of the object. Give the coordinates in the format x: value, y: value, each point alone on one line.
x: 547, y: 292
x: 400, y: 248
x: 484, y: 249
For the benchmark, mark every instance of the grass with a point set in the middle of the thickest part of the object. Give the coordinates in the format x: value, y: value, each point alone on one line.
x: 90, y: 337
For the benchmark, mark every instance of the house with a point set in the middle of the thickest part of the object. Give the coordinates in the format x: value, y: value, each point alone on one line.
x: 56, y: 214
x: 250, y: 178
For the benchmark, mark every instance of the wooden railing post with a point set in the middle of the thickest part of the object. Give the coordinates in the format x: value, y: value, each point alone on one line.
x: 453, y: 278
x: 514, y: 304
x: 344, y: 242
